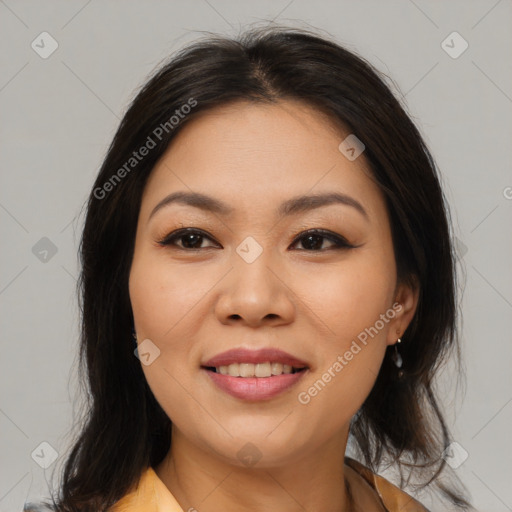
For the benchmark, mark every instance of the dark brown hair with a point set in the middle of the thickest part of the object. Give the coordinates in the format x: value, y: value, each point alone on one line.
x: 123, y: 429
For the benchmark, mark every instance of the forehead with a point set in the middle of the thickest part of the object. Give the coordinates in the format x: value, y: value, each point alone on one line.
x: 255, y: 155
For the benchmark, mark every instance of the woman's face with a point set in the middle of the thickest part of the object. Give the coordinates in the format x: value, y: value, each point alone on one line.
x: 248, y: 279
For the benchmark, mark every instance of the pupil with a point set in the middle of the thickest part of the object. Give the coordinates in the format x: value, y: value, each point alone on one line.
x: 190, y: 240
x: 314, y: 245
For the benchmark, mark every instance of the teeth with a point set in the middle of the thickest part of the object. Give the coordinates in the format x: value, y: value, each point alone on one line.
x: 246, y: 370
x: 277, y: 368
x: 262, y: 370
x: 233, y: 370
x: 254, y: 370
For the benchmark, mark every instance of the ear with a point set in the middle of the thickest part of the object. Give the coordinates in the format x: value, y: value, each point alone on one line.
x: 404, y: 306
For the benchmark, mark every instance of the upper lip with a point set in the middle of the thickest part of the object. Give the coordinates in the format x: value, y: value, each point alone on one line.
x: 264, y: 355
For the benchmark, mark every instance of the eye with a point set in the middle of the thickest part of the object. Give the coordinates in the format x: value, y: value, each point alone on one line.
x: 313, y: 240
x: 190, y: 239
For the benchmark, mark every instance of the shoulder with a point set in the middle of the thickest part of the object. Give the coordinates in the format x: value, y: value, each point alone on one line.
x: 392, y: 497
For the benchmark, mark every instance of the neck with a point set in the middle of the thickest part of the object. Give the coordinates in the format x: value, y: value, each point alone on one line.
x: 202, y: 481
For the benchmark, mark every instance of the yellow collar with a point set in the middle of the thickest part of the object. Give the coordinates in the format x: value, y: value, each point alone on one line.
x: 151, y: 495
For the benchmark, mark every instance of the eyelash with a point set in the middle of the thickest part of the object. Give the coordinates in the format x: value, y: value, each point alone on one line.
x: 339, y: 241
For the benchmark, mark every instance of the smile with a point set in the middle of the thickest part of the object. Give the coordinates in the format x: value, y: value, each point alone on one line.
x: 254, y: 375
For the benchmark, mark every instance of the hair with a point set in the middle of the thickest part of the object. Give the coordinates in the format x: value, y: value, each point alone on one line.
x: 124, y: 430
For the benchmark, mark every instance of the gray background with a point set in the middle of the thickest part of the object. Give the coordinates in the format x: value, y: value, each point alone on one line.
x: 58, y: 116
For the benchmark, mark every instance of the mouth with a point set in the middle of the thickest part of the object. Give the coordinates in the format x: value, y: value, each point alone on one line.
x: 254, y: 375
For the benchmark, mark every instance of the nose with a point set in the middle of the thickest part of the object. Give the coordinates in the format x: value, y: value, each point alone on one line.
x: 255, y: 294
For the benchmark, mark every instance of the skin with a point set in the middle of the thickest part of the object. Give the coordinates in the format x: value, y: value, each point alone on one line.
x: 310, y: 303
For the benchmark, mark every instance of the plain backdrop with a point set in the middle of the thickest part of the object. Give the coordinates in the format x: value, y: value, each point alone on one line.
x: 59, y: 113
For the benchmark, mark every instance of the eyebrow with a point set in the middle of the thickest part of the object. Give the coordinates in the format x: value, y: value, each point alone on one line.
x: 291, y: 206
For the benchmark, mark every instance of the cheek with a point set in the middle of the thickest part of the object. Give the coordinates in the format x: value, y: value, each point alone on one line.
x: 350, y: 298
x: 162, y: 296
x: 159, y: 300
x: 354, y: 302
x: 166, y: 300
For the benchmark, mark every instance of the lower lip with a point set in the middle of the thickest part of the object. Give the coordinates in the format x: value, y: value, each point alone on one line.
x: 255, y: 388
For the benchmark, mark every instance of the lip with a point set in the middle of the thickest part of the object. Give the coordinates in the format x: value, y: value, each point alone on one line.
x: 264, y: 355
x: 254, y: 388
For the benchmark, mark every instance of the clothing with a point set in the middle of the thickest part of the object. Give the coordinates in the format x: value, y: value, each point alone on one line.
x: 153, y: 496
x: 393, y: 498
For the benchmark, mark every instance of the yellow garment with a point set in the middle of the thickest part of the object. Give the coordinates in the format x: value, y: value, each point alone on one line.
x: 152, y: 495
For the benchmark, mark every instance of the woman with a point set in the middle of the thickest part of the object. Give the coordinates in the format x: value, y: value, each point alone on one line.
x: 269, y: 227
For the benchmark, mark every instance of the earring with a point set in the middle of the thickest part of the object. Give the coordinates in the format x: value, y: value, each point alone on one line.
x: 397, y: 359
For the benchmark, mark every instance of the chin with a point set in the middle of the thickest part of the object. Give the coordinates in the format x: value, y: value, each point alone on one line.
x: 259, y: 451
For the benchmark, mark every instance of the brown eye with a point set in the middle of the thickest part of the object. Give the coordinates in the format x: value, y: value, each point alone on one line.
x: 189, y: 239
x: 313, y: 240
